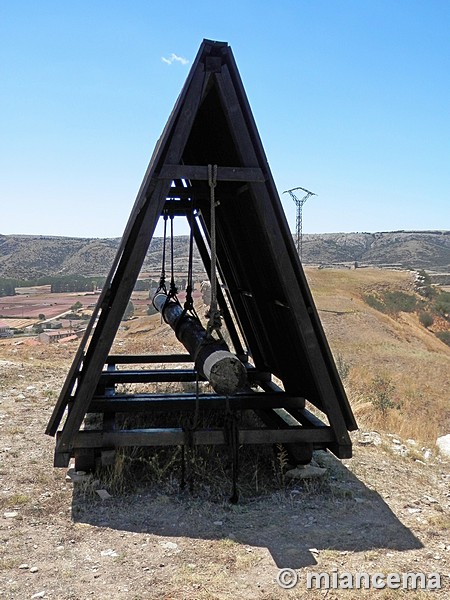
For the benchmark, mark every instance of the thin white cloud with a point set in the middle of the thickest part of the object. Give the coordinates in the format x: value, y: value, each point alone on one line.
x: 174, y: 58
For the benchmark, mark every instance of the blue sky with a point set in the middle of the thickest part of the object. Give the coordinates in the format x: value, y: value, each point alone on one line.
x: 351, y: 99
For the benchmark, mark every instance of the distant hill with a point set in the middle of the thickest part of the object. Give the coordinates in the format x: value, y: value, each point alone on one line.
x: 416, y: 249
x: 25, y: 256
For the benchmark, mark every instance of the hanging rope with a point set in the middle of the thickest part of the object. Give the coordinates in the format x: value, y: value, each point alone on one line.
x: 162, y: 279
x: 213, y: 314
x: 189, y: 302
x: 173, y: 290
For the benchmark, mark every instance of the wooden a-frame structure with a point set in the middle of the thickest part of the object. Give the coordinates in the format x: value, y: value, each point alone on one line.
x: 265, y: 299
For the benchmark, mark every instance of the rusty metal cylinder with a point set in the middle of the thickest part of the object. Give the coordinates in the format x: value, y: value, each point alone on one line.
x: 213, y: 360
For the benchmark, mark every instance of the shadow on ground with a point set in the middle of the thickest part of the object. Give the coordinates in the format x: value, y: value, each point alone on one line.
x: 344, y: 515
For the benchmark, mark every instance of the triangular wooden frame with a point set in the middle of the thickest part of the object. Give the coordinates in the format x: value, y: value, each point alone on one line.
x: 266, y: 288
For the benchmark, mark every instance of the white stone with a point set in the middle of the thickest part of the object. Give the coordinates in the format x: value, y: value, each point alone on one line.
x: 366, y: 441
x: 305, y: 472
x: 169, y: 545
x: 430, y: 499
x: 34, y: 570
x: 10, y: 515
x: 443, y: 443
x: 109, y: 552
x: 77, y: 476
x: 38, y: 595
x: 24, y: 566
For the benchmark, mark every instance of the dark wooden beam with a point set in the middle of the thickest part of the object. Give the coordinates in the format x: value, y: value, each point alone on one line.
x: 130, y: 359
x: 200, y: 173
x: 177, y: 437
x: 110, y: 378
x: 132, y: 403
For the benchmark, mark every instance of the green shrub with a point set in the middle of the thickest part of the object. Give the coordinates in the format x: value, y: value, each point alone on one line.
x: 442, y: 303
x: 426, y: 319
x: 392, y: 302
x: 374, y: 302
x: 381, y: 394
x: 444, y: 336
x: 399, y: 302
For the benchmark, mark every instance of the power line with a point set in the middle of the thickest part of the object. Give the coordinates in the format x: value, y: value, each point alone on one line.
x: 299, y: 202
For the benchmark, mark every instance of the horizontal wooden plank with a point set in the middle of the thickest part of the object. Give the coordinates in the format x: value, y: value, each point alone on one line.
x: 132, y: 403
x: 177, y: 437
x: 200, y: 173
x: 108, y: 378
x: 122, y: 359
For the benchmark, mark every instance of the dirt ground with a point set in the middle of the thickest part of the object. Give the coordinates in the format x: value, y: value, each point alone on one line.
x: 383, y: 511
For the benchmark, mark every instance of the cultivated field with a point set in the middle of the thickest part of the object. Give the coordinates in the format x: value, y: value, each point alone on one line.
x: 33, y: 304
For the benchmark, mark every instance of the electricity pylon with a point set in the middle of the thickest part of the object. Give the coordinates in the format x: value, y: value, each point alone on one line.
x: 299, y: 202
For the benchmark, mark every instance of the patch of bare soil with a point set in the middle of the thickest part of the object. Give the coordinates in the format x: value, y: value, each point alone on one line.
x: 383, y: 511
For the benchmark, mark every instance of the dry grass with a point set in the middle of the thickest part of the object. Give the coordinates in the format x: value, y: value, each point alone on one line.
x: 396, y: 348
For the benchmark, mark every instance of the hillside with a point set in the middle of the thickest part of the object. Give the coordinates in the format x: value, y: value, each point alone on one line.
x: 407, y: 249
x: 35, y: 256
x: 386, y: 510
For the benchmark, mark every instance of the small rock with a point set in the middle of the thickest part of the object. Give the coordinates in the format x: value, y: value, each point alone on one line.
x: 305, y: 472
x: 400, y: 449
x: 443, y: 443
x: 430, y: 499
x: 366, y: 441
x: 10, y: 515
x: 104, y: 495
x: 24, y: 566
x: 218, y: 523
x: 313, y: 550
x: 396, y: 441
x: 427, y: 454
x: 169, y: 545
x: 38, y: 595
x: 34, y: 570
x: 77, y: 476
x: 109, y: 552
